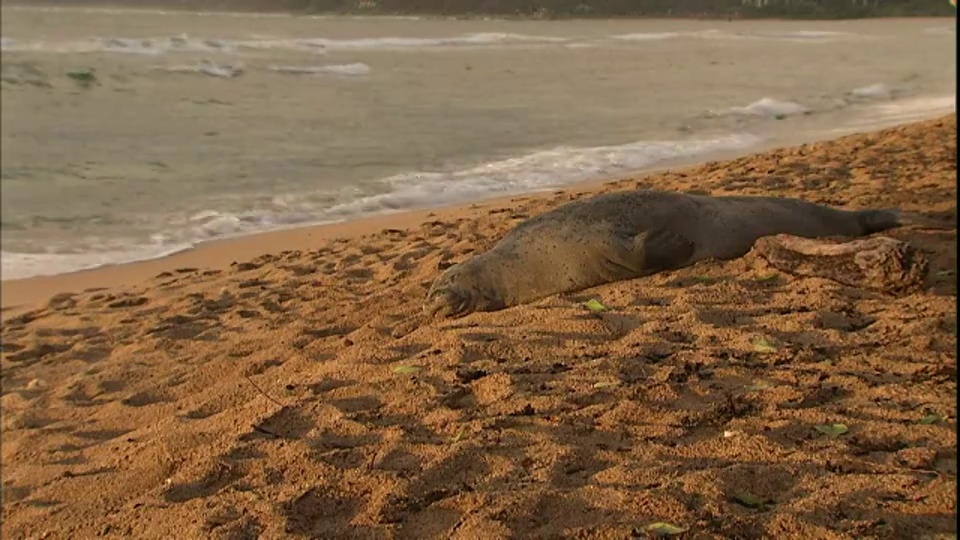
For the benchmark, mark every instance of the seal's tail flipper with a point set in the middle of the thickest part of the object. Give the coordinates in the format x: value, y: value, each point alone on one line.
x: 945, y: 220
x: 872, y: 221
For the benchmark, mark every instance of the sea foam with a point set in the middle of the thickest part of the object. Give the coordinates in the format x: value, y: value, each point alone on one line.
x: 877, y: 91
x: 647, y: 36
x: 354, y: 69
x: 805, y: 35
x: 206, y: 67
x: 770, y: 108
x: 23, y: 265
x: 475, y: 39
x: 154, y: 46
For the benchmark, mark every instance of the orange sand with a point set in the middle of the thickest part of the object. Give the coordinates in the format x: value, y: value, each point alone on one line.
x: 300, y: 394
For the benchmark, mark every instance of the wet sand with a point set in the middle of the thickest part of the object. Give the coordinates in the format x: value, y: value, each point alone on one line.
x: 300, y: 393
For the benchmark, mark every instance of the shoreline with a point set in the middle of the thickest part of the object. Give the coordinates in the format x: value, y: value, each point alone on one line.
x: 219, y: 253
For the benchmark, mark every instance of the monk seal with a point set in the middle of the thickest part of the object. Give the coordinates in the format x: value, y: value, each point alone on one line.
x: 626, y: 235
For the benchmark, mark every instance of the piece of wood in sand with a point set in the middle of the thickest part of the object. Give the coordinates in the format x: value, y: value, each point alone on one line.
x: 878, y: 263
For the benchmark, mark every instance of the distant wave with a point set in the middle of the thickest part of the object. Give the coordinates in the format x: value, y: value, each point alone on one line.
x: 770, y: 108
x: 481, y: 38
x: 183, y: 43
x: 206, y: 67
x: 547, y: 169
x: 332, y: 69
x: 804, y: 36
x: 647, y: 36
x: 154, y: 46
x: 186, y: 13
x: 120, y: 45
x: 130, y: 46
x: 877, y: 91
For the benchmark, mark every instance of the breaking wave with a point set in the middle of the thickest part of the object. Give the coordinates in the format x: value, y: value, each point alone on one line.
x: 354, y: 69
x: 770, y: 108
x: 153, y: 46
x: 206, y: 67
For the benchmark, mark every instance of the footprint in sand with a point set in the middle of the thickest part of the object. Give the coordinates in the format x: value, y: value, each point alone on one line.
x: 328, y: 385
x: 102, y: 435
x: 38, y: 352
x: 204, y: 411
x: 149, y: 397
x: 321, y: 513
x: 182, y: 327
x: 260, y: 367
x: 217, y: 477
x: 287, y: 423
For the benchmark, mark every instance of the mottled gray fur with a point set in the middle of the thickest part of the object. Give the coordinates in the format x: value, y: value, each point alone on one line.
x: 630, y: 234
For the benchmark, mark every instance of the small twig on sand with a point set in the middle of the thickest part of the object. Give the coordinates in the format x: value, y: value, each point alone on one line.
x: 266, y: 395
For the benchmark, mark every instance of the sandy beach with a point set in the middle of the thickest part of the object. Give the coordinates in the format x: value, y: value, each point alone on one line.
x: 286, y: 385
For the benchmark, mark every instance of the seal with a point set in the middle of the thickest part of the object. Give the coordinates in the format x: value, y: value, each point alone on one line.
x: 626, y: 235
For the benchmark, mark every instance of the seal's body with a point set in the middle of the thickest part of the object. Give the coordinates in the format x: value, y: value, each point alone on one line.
x: 630, y: 234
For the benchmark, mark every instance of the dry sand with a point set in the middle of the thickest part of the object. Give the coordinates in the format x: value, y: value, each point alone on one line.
x: 300, y: 394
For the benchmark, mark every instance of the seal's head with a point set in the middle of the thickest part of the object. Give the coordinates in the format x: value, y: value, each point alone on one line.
x: 461, y: 290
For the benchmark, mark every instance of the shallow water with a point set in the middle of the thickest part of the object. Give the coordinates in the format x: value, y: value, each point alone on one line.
x: 200, y: 126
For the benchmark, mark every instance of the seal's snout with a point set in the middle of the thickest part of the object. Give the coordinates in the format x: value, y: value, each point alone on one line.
x: 459, y: 292
x: 446, y: 302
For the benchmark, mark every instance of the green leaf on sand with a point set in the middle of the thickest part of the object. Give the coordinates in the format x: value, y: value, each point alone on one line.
x: 748, y: 499
x: 595, y: 305
x: 605, y: 384
x: 762, y: 278
x: 931, y: 419
x: 661, y: 528
x: 458, y: 436
x: 406, y: 370
x: 831, y: 430
x: 763, y: 346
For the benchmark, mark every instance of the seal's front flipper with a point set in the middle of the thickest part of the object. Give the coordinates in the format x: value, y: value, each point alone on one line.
x: 654, y: 250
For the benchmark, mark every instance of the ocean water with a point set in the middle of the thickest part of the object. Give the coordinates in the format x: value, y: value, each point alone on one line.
x: 128, y: 135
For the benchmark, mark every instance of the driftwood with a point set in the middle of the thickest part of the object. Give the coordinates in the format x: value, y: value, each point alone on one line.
x: 878, y: 263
